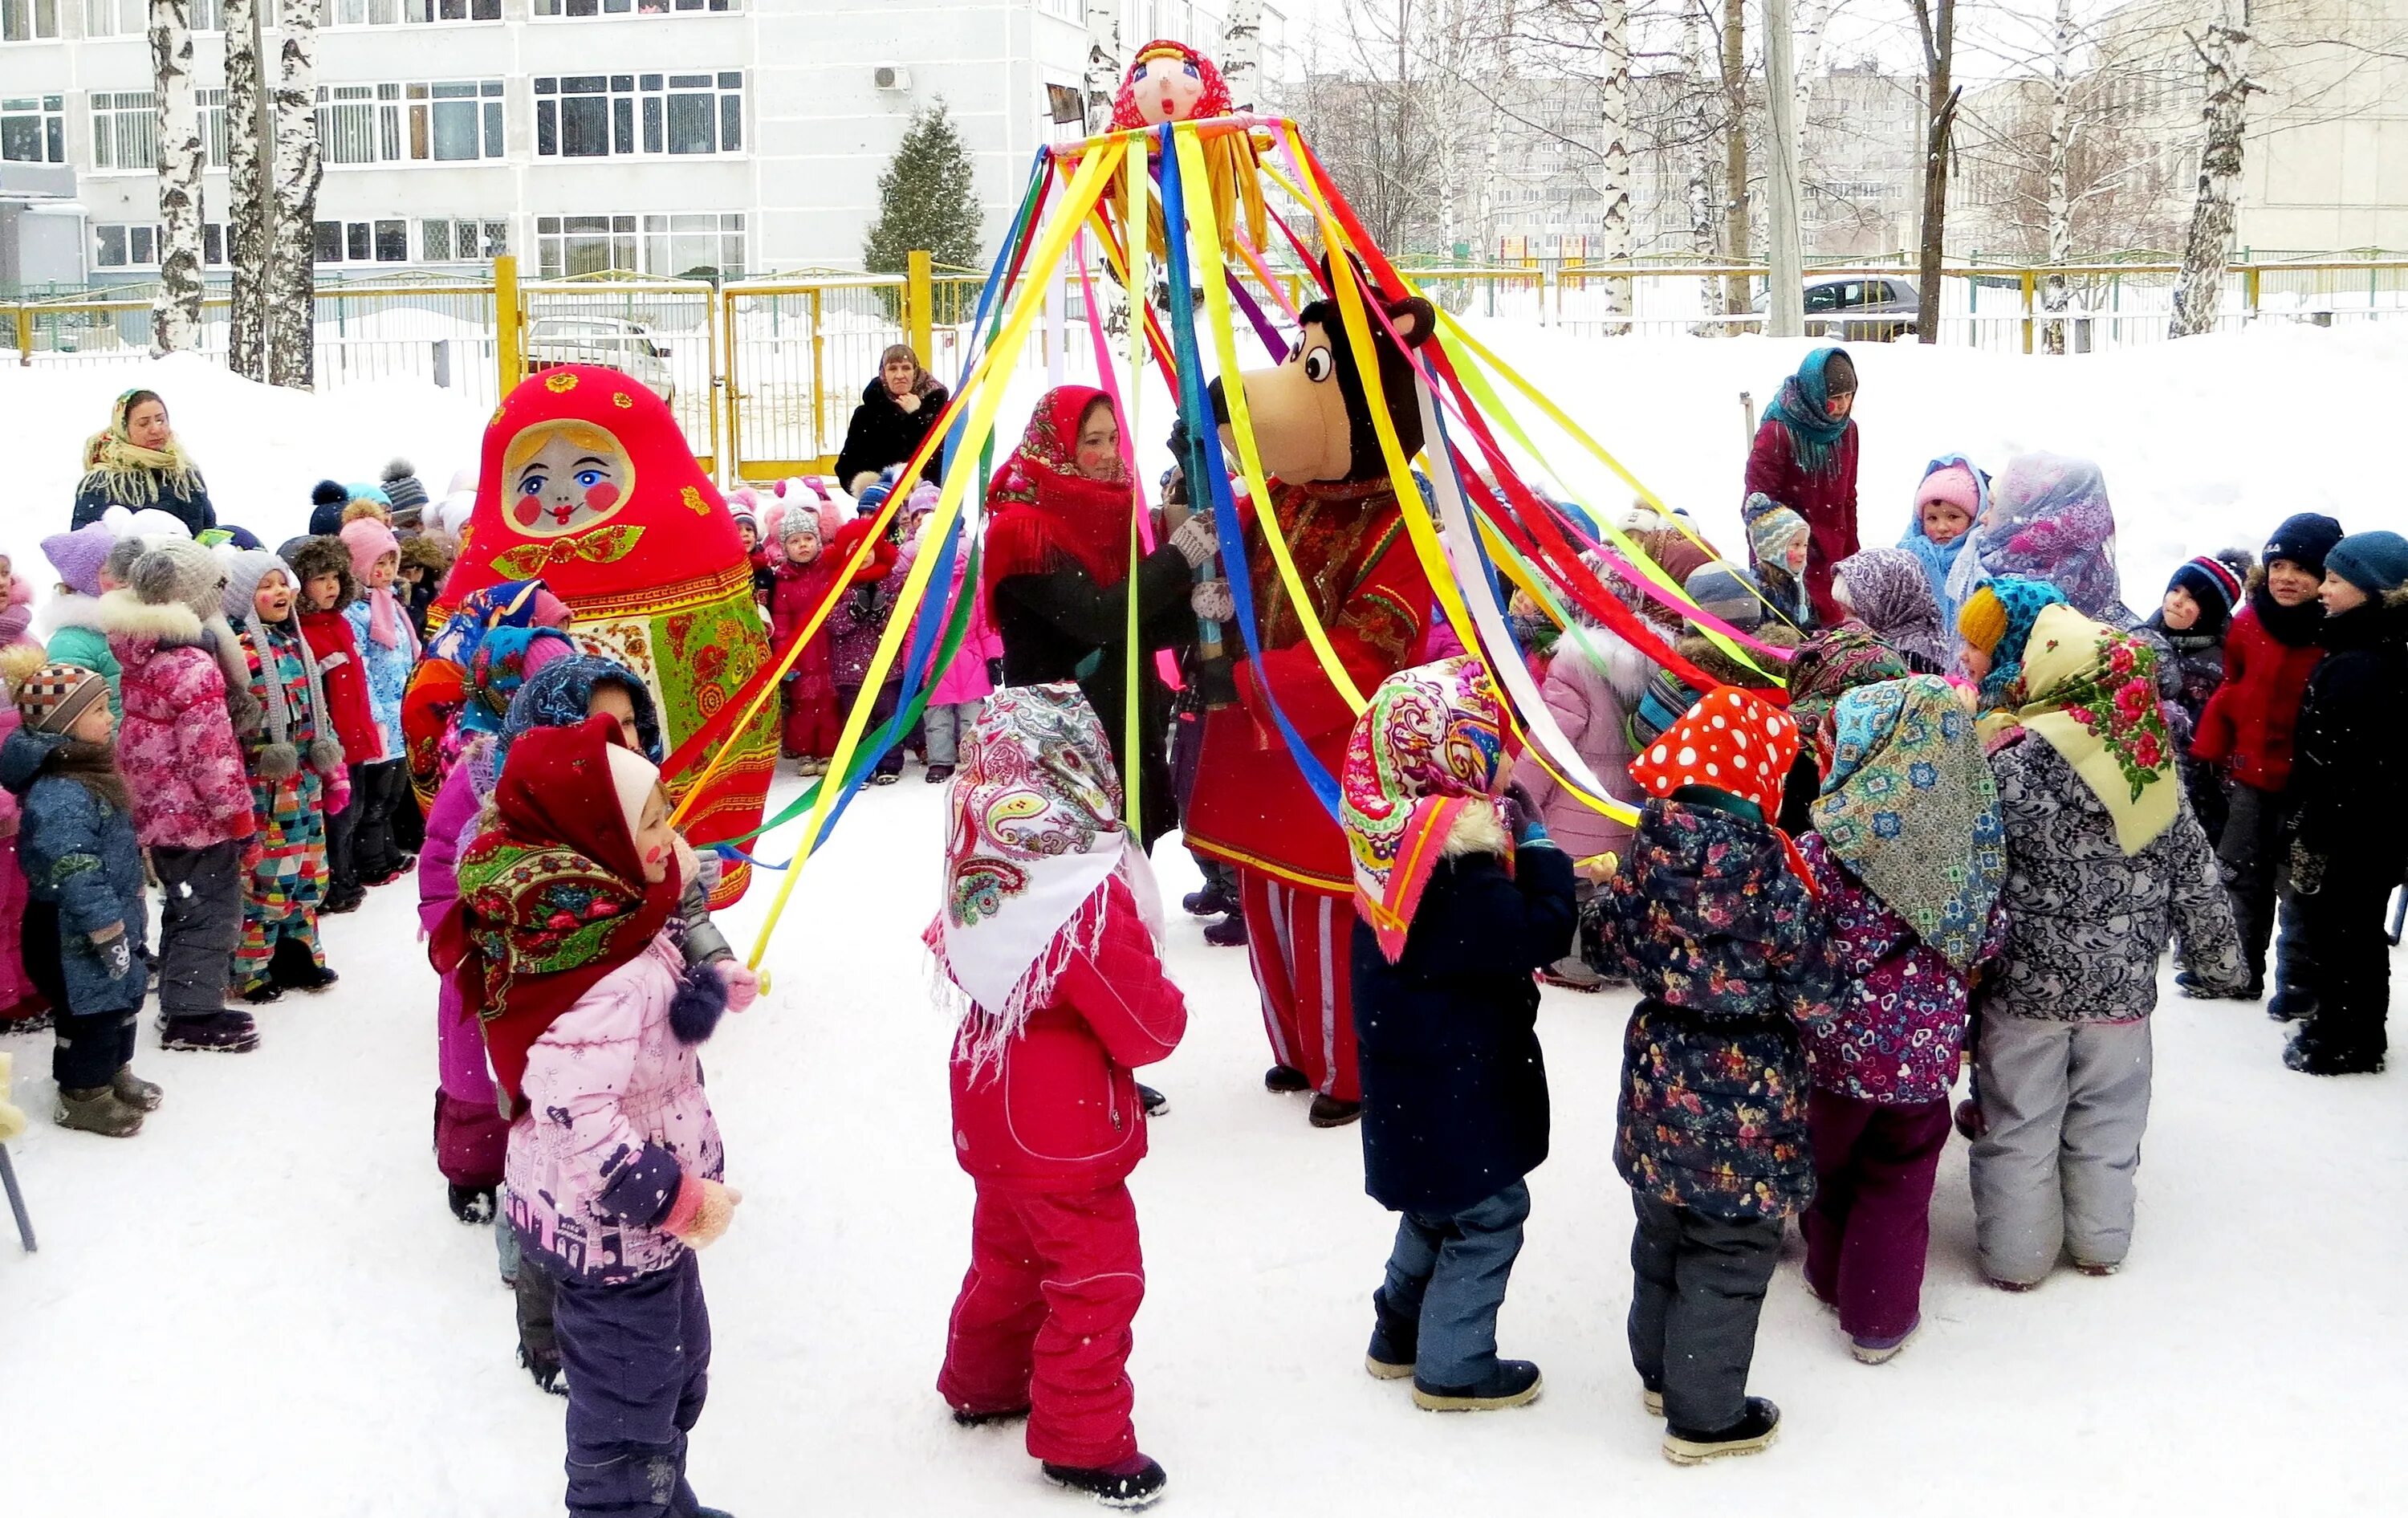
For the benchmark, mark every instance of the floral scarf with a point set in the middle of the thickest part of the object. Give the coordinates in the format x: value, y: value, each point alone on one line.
x: 1910, y: 806
x: 1042, y: 510
x: 1828, y: 666
x: 1803, y: 409
x: 1891, y: 594
x: 134, y: 474
x: 1035, y: 842
x: 506, y: 659
x: 1431, y: 745
x: 2049, y: 520
x: 2094, y: 697
x: 552, y: 896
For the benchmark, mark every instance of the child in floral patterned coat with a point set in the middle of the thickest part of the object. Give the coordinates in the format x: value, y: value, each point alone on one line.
x: 297, y: 778
x: 1711, y: 919
x: 1907, y: 859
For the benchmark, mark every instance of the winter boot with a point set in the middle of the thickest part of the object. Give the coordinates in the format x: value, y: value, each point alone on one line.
x: 1752, y: 1434
x: 1879, y: 1351
x: 1572, y: 973
x: 212, y: 1033
x: 2290, y: 1003
x: 1969, y: 1121
x: 1396, y: 1340
x: 98, y: 1110
x: 1155, y: 1102
x: 1132, y: 1484
x: 939, y: 774
x: 1214, y: 900
x: 1285, y: 1080
x: 264, y: 993
x: 134, y: 1091
x: 2304, y: 1055
x: 545, y: 1370
x: 1329, y: 1112
x: 2099, y: 1270
x: 1228, y: 933
x: 973, y: 1418
x: 1652, y: 1398
x: 471, y: 1204
x: 345, y: 899
x: 1513, y: 1383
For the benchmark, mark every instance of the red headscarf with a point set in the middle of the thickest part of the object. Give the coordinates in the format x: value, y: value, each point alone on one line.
x: 1732, y: 740
x: 1042, y: 511
x: 553, y: 896
x: 1214, y: 102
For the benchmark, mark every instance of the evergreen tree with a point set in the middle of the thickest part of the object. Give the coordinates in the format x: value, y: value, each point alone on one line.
x: 925, y: 199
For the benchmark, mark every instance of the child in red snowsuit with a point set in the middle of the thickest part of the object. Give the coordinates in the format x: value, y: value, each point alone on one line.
x: 1063, y: 997
x: 802, y: 581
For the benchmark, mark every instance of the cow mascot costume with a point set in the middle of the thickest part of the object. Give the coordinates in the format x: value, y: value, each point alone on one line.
x: 1253, y: 807
x: 587, y: 485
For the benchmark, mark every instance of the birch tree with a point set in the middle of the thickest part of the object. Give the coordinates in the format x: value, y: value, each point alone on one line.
x: 1241, y: 54
x: 292, y: 276
x: 1697, y: 140
x: 2054, y: 292
x: 1104, y: 53
x: 2224, y: 53
x: 1935, y: 24
x: 252, y: 211
x: 1734, y: 74
x: 175, y: 317
x: 1614, y: 169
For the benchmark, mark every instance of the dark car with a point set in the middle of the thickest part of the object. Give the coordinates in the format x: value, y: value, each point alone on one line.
x: 1860, y: 307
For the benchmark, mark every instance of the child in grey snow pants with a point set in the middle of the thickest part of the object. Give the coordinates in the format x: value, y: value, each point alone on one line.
x: 2066, y: 1104
x: 1698, y: 1285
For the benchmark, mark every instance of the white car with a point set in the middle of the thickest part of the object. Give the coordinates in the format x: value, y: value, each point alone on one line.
x: 609, y: 341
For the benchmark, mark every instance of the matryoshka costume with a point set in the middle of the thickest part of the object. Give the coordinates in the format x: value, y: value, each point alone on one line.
x: 587, y: 483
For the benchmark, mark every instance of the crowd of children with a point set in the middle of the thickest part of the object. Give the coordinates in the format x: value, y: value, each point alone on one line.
x: 1940, y: 803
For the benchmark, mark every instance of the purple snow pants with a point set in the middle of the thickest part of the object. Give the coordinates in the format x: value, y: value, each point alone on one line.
x: 1870, y: 1225
x: 638, y: 1363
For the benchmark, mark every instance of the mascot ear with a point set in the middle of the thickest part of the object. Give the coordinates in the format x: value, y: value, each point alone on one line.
x: 1415, y: 319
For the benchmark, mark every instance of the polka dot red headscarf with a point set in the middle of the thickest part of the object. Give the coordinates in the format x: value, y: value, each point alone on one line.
x: 1731, y: 741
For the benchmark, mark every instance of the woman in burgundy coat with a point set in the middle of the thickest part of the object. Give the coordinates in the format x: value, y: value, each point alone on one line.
x: 1805, y: 458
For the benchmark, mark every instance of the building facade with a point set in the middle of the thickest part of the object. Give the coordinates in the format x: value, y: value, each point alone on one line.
x: 728, y: 137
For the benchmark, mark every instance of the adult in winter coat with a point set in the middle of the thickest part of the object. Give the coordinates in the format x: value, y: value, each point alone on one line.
x: 2351, y: 845
x: 896, y: 412
x: 1907, y: 858
x: 2049, y: 520
x: 2245, y: 734
x: 137, y: 463
x: 297, y: 778
x: 1058, y: 581
x: 1710, y: 919
x: 2105, y: 864
x: 614, y: 1158
x: 1805, y: 459
x: 69, y: 622
x: 388, y: 653
x: 1886, y: 590
x: 84, y: 924
x: 1453, y: 914
x: 192, y: 801
x: 1046, y: 943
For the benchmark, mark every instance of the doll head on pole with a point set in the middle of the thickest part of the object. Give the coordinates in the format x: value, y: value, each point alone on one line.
x: 1170, y: 81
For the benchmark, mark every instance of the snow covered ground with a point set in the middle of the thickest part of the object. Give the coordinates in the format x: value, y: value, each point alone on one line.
x: 260, y: 1305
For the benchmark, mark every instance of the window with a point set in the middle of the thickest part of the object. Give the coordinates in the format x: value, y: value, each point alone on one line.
x: 361, y: 242
x: 447, y: 121
x: 601, y: 116
x: 630, y: 7
x: 213, y: 128
x: 703, y: 242
x: 125, y: 130
x: 32, y: 129
x: 410, y: 12
x: 450, y: 239
x: 24, y: 21
x: 122, y: 246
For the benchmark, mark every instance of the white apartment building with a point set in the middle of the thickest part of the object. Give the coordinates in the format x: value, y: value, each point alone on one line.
x: 662, y: 136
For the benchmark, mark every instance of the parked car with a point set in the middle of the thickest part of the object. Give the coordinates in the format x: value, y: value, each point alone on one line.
x: 1859, y: 307
x: 610, y: 341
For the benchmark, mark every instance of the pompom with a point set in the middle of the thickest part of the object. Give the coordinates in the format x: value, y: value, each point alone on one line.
x: 328, y: 493
x: 325, y: 756
x: 278, y: 762
x: 701, y: 997
x: 18, y: 663
x: 399, y: 469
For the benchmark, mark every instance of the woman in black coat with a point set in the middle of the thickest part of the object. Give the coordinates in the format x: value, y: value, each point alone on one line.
x: 1056, y: 572
x: 135, y: 462
x: 896, y: 410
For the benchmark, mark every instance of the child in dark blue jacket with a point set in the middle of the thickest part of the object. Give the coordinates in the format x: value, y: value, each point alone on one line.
x: 84, y: 925
x: 1459, y: 908
x: 1712, y: 920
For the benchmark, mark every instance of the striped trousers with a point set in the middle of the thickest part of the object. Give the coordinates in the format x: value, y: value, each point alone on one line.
x: 1303, y: 944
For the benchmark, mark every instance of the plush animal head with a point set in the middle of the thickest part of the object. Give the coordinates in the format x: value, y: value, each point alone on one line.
x: 1311, y: 415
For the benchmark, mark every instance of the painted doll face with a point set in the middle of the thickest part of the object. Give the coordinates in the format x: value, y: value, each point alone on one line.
x: 578, y: 476
x: 1167, y: 88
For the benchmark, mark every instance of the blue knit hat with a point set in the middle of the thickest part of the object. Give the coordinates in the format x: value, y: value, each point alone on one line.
x: 2304, y: 539
x: 2375, y: 562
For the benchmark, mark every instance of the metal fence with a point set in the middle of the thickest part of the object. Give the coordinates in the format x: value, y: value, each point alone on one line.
x: 763, y: 374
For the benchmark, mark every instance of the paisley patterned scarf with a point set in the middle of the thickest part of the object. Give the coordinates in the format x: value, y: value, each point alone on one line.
x: 1035, y: 841
x: 1431, y: 745
x: 2093, y: 695
x: 1910, y: 806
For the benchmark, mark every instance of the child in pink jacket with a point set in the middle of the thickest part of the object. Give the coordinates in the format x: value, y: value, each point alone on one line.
x: 20, y: 1003
x: 591, y: 1020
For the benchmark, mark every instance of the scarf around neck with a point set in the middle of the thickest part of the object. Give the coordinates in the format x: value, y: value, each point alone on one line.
x: 135, y: 474
x: 1910, y: 806
x: 2092, y: 694
x: 1035, y: 843
x: 1042, y: 510
x: 1803, y: 409
x: 1429, y: 746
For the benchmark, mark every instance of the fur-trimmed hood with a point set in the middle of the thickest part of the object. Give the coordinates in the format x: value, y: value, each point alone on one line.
x: 1478, y: 829
x: 1728, y: 670
x: 68, y: 609
x: 1625, y: 668
x: 122, y: 614
x: 324, y: 555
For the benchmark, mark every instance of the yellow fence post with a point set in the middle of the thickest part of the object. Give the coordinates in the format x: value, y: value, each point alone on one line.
x: 819, y: 376
x: 2249, y: 290
x: 918, y: 301
x: 25, y: 338
x: 509, y: 360
x: 2030, y: 281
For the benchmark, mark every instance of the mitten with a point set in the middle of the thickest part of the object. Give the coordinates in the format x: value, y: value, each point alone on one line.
x: 116, y: 955
x: 704, y: 1210
x: 1195, y: 542
x: 743, y: 986
x: 2307, y: 870
x: 1211, y: 599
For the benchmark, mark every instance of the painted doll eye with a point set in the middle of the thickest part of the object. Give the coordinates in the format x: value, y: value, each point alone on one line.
x: 532, y: 485
x: 590, y: 477
x: 1318, y: 365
